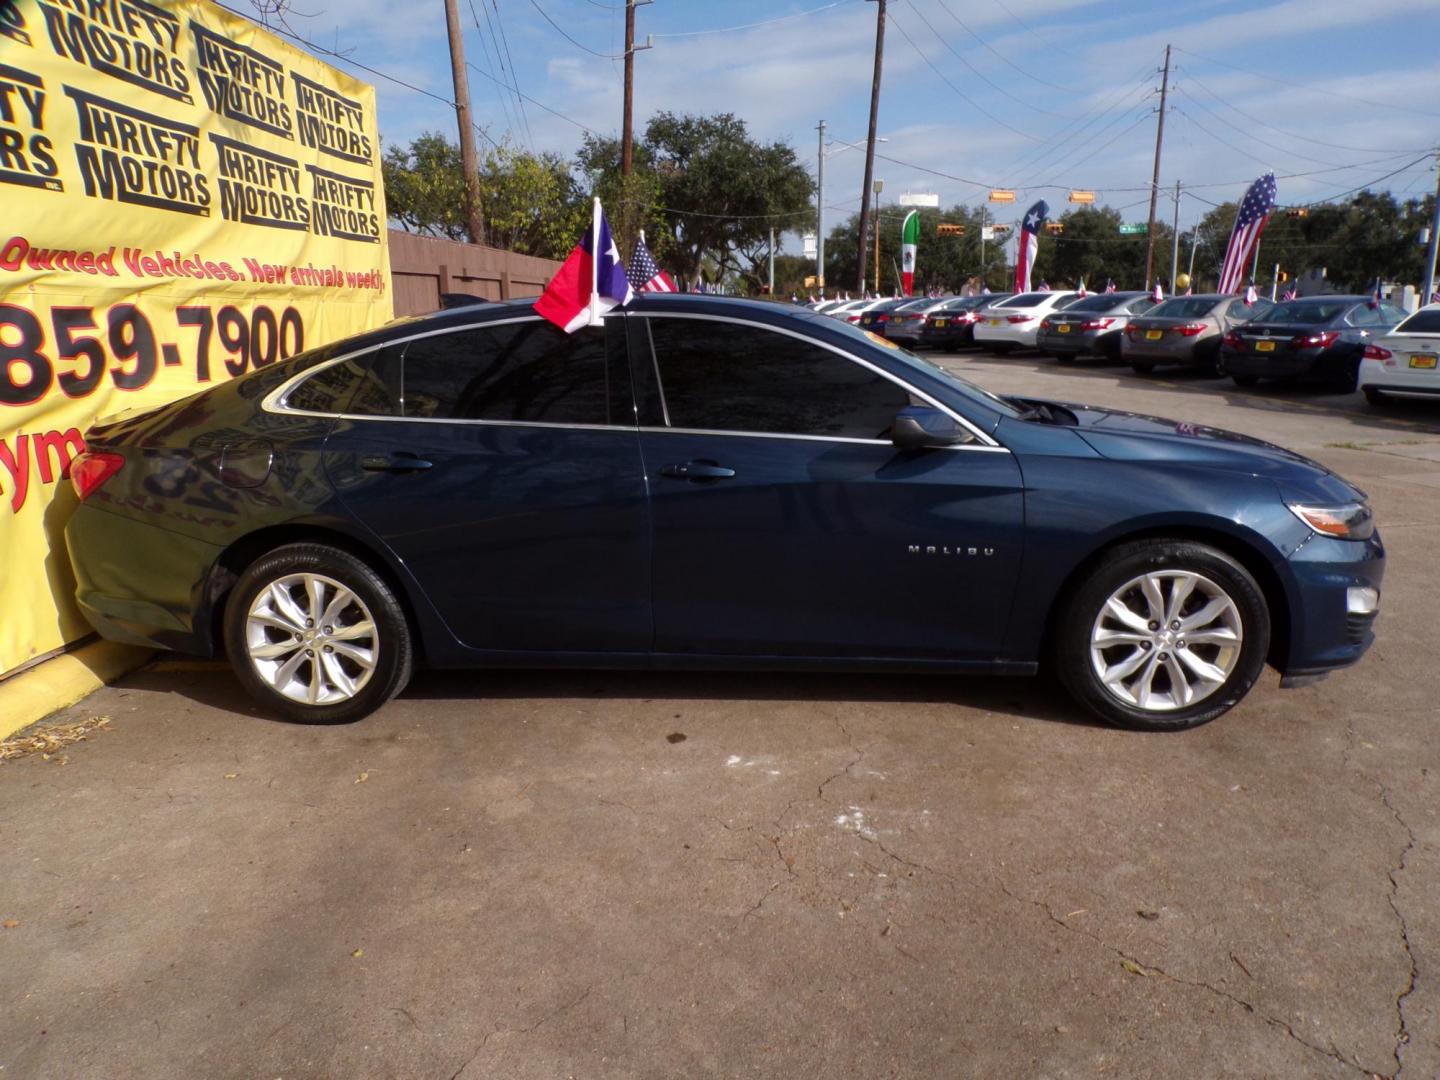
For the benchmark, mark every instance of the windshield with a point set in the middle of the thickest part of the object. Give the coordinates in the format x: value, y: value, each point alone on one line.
x: 1422, y: 322
x: 968, y: 389
x: 1184, y: 307
x: 1307, y: 313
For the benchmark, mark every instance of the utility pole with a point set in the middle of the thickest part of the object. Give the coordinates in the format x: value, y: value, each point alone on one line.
x: 474, y: 220
x: 982, y: 245
x: 1155, y: 177
x: 820, y: 214
x: 1175, y: 240
x: 1434, y: 240
x: 627, y: 128
x: 870, y: 145
x: 879, y: 186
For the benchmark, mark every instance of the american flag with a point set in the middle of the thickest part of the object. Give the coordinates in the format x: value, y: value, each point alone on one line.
x: 645, y: 274
x: 1081, y: 290
x: 1250, y: 222
x: 1109, y: 285
x: 1250, y: 294
x: 1290, y: 294
x: 1376, y: 295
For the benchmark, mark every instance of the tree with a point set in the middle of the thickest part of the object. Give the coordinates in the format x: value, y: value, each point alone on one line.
x: 425, y: 187
x: 532, y: 203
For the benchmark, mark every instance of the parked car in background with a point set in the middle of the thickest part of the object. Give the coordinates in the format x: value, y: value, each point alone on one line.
x: 1403, y: 361
x: 1014, y: 323
x: 908, y: 319
x: 952, y: 324
x: 851, y: 310
x: 1092, y: 325
x: 1320, y: 337
x: 708, y: 483
x: 876, y: 318
x: 1186, y: 330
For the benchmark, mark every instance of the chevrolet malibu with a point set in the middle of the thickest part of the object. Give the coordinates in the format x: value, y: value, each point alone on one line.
x: 705, y: 483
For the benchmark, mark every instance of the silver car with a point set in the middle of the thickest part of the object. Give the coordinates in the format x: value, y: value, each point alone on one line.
x: 1186, y: 330
x: 1091, y: 325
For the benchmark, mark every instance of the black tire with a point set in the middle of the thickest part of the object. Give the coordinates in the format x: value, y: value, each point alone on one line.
x: 1348, y: 377
x: 1080, y: 613
x: 1141, y: 367
x: 391, y: 651
x: 1374, y: 396
x: 1245, y: 380
x: 1067, y: 357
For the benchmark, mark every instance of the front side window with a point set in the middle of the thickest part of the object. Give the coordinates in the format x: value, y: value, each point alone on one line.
x: 722, y: 376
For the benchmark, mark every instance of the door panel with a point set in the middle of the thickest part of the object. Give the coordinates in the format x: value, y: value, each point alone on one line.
x: 525, y: 536
x: 832, y: 549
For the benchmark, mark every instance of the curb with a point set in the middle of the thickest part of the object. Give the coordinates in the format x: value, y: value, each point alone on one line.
x: 61, y: 682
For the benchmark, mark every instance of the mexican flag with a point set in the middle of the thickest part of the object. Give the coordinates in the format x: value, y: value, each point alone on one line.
x: 909, y: 237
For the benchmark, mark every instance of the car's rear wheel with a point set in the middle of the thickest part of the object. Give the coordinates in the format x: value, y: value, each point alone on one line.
x: 1162, y: 635
x: 1245, y: 380
x: 316, y: 635
x: 1141, y: 367
x: 1066, y: 357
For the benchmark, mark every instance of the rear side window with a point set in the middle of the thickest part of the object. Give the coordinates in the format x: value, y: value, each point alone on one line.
x: 523, y: 372
x: 1422, y: 322
x: 720, y: 376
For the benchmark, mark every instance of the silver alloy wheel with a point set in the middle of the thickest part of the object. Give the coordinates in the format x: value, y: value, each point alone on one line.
x: 311, y: 639
x: 1166, y: 640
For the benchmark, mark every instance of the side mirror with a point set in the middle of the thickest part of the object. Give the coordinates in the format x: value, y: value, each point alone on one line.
x: 917, y: 427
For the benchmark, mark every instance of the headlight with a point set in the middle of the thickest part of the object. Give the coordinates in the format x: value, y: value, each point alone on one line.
x: 1346, y: 521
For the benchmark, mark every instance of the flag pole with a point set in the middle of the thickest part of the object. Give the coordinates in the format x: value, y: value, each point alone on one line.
x: 596, y: 319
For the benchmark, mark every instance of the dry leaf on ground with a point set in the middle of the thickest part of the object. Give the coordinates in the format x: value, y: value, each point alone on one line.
x: 45, y: 741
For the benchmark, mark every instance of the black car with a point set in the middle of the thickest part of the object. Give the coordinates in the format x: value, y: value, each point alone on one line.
x: 1319, y: 337
x: 704, y: 483
x: 876, y: 318
x: 1091, y: 325
x: 952, y: 325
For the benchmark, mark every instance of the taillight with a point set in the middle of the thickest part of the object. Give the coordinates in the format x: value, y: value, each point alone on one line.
x: 882, y: 318
x: 1131, y: 330
x: 972, y: 316
x: 852, y: 318
x: 1233, y: 340
x: 1190, y: 329
x: 1013, y: 319
x: 1322, y: 340
x: 1096, y: 324
x: 91, y: 469
x: 1375, y: 352
x: 1045, y: 324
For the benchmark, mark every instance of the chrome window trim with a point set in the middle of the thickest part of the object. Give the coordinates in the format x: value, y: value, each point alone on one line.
x: 987, y: 443
x: 808, y: 438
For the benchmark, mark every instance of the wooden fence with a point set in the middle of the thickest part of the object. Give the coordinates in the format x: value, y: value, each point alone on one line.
x: 423, y: 268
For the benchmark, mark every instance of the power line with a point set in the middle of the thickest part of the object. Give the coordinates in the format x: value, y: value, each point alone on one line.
x: 1253, y: 138
x: 1303, y: 86
x: 963, y: 96
x: 1035, y: 78
x: 538, y: 104
x: 1294, y: 134
x: 510, y: 60
x: 751, y: 26
x: 1101, y: 149
x: 561, y: 31
x: 511, y: 118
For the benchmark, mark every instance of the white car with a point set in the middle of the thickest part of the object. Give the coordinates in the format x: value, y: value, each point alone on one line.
x: 851, y: 311
x: 1015, y: 323
x: 1403, y: 361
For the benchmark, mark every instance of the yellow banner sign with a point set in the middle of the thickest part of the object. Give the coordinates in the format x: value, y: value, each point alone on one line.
x: 185, y: 198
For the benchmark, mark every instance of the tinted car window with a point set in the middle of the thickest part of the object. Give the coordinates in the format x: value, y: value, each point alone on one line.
x: 1029, y: 299
x: 731, y: 377
x: 520, y: 371
x: 1365, y: 315
x: 1139, y: 304
x: 1185, y: 307
x: 1285, y: 314
x: 1422, y: 322
x: 1100, y: 302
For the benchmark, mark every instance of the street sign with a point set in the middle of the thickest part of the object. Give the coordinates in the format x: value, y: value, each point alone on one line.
x: 946, y: 229
x: 1001, y: 195
x: 987, y: 232
x: 919, y: 199
x: 1138, y: 229
x: 808, y: 240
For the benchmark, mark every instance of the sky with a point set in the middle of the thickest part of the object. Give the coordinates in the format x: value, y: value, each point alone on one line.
x: 1041, y: 96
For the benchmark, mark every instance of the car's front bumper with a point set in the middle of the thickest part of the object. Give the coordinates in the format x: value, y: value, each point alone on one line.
x: 1335, y: 581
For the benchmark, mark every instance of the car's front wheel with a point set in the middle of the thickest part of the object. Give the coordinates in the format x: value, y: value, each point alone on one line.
x: 1162, y: 635
x: 316, y: 635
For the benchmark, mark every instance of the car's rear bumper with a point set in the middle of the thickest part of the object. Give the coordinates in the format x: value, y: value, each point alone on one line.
x: 157, y: 598
x: 1161, y: 353
x: 1083, y: 341
x: 1399, y: 380
x: 1289, y: 364
x: 1006, y: 334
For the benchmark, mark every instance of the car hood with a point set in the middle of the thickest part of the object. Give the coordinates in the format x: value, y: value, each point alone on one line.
x: 1126, y: 436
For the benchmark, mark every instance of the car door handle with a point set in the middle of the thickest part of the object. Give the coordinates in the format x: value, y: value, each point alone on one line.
x: 394, y: 463
x: 697, y: 470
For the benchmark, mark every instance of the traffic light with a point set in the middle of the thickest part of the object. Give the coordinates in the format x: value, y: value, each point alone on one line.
x: 1298, y: 212
x: 947, y: 229
x: 1000, y: 227
x: 1284, y: 277
x: 1055, y: 228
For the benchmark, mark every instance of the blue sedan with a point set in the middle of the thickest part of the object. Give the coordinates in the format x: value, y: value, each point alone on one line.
x: 705, y: 483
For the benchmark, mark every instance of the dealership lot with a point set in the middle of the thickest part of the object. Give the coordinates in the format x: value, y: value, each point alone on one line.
x: 590, y: 874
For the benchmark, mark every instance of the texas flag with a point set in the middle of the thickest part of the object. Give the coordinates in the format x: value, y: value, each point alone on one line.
x: 586, y: 286
x: 1029, y: 242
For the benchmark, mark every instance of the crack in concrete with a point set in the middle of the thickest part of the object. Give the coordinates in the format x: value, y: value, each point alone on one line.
x: 1402, y: 1031
x: 522, y: 1031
